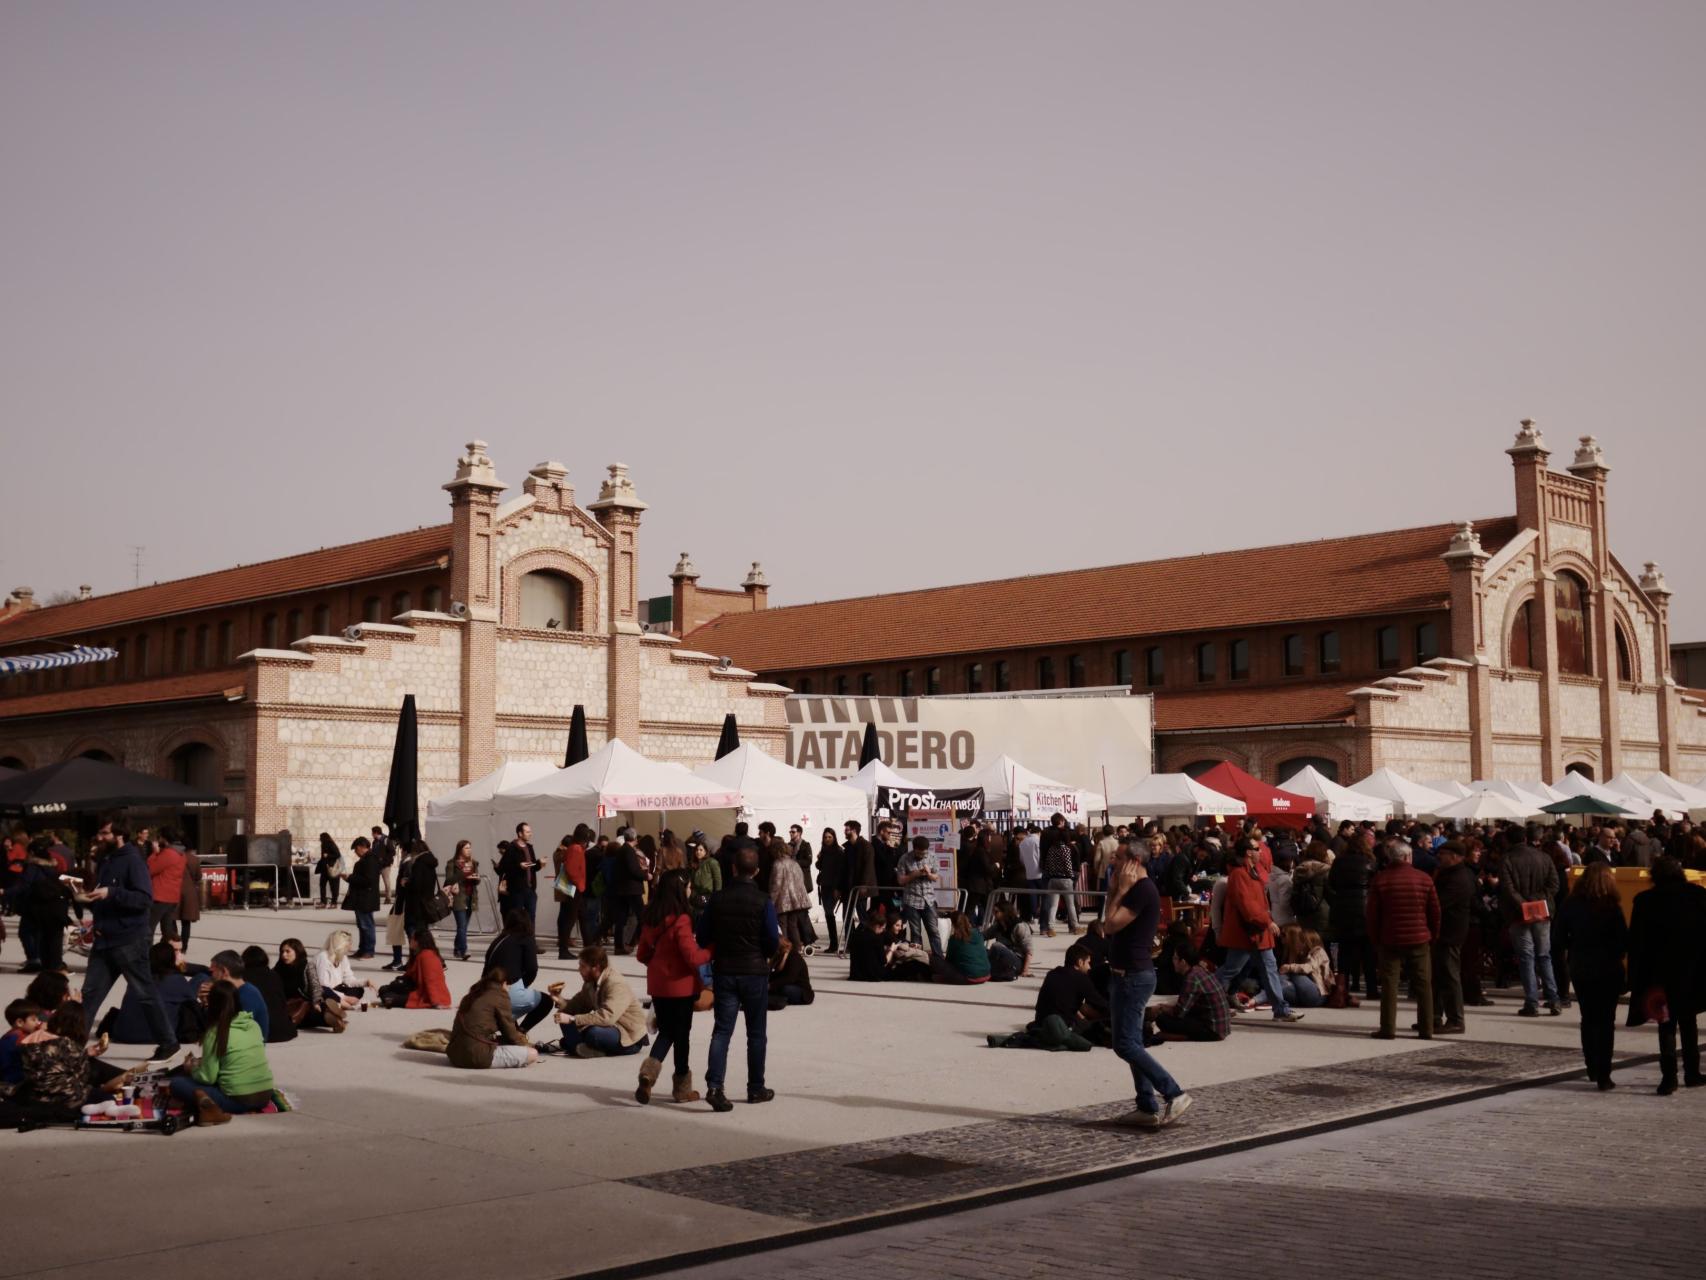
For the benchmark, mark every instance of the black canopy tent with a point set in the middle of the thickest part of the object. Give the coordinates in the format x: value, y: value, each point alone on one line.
x: 84, y: 786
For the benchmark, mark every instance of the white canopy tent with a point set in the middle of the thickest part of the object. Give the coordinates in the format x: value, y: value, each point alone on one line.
x: 772, y: 791
x: 1519, y: 795
x: 1579, y: 784
x: 615, y: 780
x: 1691, y: 797
x: 1447, y: 787
x: 1408, y: 799
x: 469, y: 813
x: 1644, y: 799
x: 1485, y: 806
x: 1009, y: 785
x: 877, y: 774
x: 1173, y: 795
x: 1336, y: 803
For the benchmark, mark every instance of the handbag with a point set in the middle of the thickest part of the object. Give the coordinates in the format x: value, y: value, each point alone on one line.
x: 1536, y: 912
x: 437, y: 907
x: 297, y: 1008
x: 564, y: 888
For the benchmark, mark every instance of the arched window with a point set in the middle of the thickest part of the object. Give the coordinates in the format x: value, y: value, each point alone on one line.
x: 322, y: 620
x: 932, y: 680
x: 974, y: 677
x: 1075, y: 677
x: 370, y: 608
x: 1575, y: 629
x: 1427, y: 641
x: 1122, y: 666
x: 1581, y: 767
x: 401, y: 602
x: 1625, y: 663
x: 1323, y: 766
x: 1003, y: 676
x: 867, y: 685
x: 1238, y: 659
x: 1386, y: 648
x: 550, y: 602
x: 180, y: 649
x: 1154, y: 667
x: 1207, y: 660
x: 1294, y: 655
x: 804, y: 685
x: 1522, y: 637
x: 269, y: 631
x: 1328, y: 647
x: 293, y: 626
x: 203, y: 646
x: 841, y: 686
x: 227, y: 642
x: 1045, y: 672
x: 1197, y: 768
x: 432, y: 600
x: 903, y: 684
x: 139, y: 657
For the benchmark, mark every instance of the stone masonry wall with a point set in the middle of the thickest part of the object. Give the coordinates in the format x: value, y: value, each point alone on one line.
x: 544, y: 675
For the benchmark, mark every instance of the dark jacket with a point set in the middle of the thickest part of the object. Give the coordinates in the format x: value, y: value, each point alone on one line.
x: 1456, y: 887
x: 1667, y: 948
x: 831, y: 869
x: 739, y: 926
x: 861, y: 864
x: 279, y: 1026
x: 803, y: 856
x: 362, y: 885
x: 519, y: 957
x: 1526, y: 875
x: 421, y: 886
x: 1403, y: 908
x: 1596, y: 940
x: 867, y: 956
x: 793, y: 973
x: 1347, y: 896
x: 123, y: 915
x: 630, y: 880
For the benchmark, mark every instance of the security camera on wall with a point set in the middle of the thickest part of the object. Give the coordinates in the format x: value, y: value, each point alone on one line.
x: 458, y: 609
x: 352, y: 632
x: 725, y: 662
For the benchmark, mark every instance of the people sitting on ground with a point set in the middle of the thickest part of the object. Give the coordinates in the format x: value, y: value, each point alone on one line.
x: 485, y: 1033
x: 47, y: 991
x: 879, y: 952
x: 425, y: 974
x: 515, y: 952
x: 1009, y: 940
x: 227, y: 966
x: 337, y: 980
x: 968, y: 954
x: 790, y: 980
x: 604, y: 1018
x: 1095, y: 940
x: 177, y: 992
x: 305, y: 1000
x: 1201, y: 1011
x: 60, y: 1070
x: 1069, y: 994
x: 1306, y: 976
x: 258, y: 973
x: 232, y: 1076
x: 23, y: 1019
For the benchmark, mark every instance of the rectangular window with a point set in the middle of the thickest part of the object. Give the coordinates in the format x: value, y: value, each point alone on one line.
x: 1427, y: 642
x: 1003, y: 677
x: 1294, y: 655
x: 180, y: 649
x: 1238, y: 657
x: 1154, y: 667
x: 1386, y: 647
x: 867, y: 685
x: 203, y: 646
x: 1045, y: 673
x: 933, y: 680
x: 1075, y: 672
x: 139, y: 658
x: 227, y: 643
x: 1207, y: 660
x: 974, y: 677
x: 1122, y: 666
x: 1329, y: 647
x: 903, y: 684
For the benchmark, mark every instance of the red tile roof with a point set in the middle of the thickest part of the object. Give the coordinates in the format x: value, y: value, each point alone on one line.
x: 203, y: 684
x: 309, y: 571
x: 1242, y: 708
x: 1373, y: 573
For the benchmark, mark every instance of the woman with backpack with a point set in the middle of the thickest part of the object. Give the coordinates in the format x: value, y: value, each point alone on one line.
x: 672, y: 957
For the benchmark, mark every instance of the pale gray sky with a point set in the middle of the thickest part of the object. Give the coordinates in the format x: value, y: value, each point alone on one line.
x: 881, y: 294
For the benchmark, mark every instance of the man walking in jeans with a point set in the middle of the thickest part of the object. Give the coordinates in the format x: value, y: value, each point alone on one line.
x: 739, y: 923
x: 1527, y: 884
x: 1130, y: 929
x: 120, y: 903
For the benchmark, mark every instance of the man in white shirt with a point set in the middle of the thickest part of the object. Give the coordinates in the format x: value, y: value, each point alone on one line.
x: 1031, y: 859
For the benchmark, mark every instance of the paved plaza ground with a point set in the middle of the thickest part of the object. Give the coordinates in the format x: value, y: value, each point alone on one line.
x: 888, y: 1102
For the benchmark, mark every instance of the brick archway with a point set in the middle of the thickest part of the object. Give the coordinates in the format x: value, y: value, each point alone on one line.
x: 16, y: 758
x: 1278, y: 760
x: 1177, y: 756
x: 550, y: 560
x: 95, y: 742
x: 178, y: 739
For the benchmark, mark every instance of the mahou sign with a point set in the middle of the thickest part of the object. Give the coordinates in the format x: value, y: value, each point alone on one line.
x: 1085, y: 740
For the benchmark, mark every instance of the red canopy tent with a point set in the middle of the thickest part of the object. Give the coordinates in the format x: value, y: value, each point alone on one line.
x: 1269, y: 806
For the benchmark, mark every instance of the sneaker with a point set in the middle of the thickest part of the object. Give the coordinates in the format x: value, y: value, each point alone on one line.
x: 719, y: 1100
x: 1176, y: 1109
x: 1290, y: 1015
x: 1528, y: 1011
x: 1142, y: 1119
x: 760, y: 1095
x: 391, y: 967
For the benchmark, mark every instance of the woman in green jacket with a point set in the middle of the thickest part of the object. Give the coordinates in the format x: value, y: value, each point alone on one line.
x: 232, y: 1076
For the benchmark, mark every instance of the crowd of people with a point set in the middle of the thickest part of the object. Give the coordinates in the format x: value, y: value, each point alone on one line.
x: 1228, y: 923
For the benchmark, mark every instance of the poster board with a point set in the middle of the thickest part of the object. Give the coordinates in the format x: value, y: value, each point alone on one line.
x: 941, y: 827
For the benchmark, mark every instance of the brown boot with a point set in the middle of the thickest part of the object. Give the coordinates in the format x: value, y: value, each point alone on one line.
x: 650, y: 1070
x: 684, y: 1090
x: 333, y: 1011
x: 209, y: 1112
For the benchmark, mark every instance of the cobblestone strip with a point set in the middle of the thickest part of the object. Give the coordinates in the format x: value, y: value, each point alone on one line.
x: 837, y: 1184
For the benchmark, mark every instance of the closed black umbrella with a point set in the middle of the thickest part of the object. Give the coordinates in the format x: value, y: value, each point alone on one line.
x: 730, y: 739
x: 577, y: 738
x: 402, y: 815
x: 869, y: 750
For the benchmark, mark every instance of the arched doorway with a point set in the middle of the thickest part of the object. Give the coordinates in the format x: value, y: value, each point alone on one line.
x: 1197, y: 768
x: 1328, y: 769
x: 95, y: 753
x: 195, y: 764
x: 12, y: 762
x: 1581, y: 767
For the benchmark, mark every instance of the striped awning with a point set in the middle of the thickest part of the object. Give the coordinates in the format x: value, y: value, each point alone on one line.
x: 64, y: 658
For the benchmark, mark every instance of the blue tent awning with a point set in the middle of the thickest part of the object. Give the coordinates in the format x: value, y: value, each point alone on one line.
x: 64, y: 658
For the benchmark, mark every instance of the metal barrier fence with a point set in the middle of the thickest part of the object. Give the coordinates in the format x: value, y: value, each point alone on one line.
x: 867, y: 892
x: 995, y: 895
x: 483, y: 919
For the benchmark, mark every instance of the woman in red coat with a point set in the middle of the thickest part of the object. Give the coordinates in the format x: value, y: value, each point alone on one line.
x: 427, y: 988
x: 672, y: 958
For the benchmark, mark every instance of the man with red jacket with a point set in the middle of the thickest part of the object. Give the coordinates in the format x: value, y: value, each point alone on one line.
x: 166, y: 869
x: 1403, y: 922
x: 1248, y: 932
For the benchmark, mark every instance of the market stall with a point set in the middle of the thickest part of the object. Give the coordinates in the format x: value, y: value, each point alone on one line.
x: 1173, y: 795
x: 772, y: 791
x: 1339, y: 804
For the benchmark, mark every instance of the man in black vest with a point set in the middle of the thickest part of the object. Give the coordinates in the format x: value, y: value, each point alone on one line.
x: 739, y: 924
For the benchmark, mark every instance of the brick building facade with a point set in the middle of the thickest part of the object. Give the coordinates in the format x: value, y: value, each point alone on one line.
x: 279, y: 683
x: 1517, y: 646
